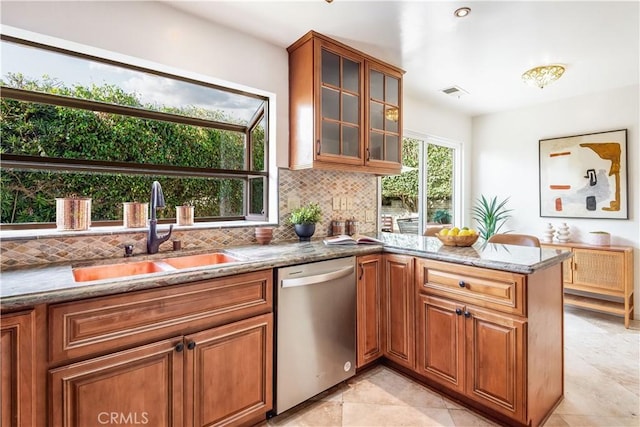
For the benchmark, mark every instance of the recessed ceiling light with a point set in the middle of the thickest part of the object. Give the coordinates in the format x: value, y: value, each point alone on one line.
x: 462, y: 12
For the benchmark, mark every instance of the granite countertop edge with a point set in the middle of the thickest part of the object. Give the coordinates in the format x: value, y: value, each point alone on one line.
x: 49, y: 284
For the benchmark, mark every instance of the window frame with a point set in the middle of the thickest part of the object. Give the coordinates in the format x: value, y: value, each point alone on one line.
x: 266, y: 113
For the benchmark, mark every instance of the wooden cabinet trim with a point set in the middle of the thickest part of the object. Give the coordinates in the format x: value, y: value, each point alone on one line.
x: 242, y: 351
x: 103, y: 380
x: 369, y: 309
x: 104, y: 324
x: 18, y: 361
x: 493, y: 289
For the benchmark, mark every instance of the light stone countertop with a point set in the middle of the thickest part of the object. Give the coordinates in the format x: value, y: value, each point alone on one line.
x: 55, y: 283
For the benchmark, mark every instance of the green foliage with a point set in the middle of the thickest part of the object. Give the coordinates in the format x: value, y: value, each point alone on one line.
x: 442, y: 216
x: 307, y: 214
x: 62, y: 132
x: 491, y: 215
x: 439, y: 176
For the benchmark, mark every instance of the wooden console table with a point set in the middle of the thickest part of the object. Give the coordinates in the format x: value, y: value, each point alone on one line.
x: 598, y: 278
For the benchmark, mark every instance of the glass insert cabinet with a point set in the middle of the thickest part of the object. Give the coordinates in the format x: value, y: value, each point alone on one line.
x: 345, y: 108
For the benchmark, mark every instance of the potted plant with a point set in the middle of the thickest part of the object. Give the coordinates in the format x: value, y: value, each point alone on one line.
x: 304, y: 220
x: 491, y: 215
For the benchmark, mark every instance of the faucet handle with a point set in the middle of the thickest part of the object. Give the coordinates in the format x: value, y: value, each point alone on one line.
x: 128, y: 250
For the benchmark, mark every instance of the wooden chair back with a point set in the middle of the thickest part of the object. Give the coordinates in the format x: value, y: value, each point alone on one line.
x: 515, y: 239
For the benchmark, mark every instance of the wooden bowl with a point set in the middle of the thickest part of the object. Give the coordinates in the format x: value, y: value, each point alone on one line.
x: 458, y: 240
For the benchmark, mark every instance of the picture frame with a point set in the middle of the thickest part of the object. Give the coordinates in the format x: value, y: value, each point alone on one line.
x: 584, y: 176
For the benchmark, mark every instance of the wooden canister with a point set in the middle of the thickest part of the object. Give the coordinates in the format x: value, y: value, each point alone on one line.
x: 184, y: 215
x: 73, y: 213
x: 135, y: 214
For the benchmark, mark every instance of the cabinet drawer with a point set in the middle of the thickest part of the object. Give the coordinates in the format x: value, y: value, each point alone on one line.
x: 498, y: 290
x: 102, y: 325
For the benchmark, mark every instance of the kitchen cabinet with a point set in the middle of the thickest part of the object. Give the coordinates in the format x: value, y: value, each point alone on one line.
x: 399, y: 310
x: 491, y: 338
x: 17, y: 346
x: 475, y: 352
x: 193, y: 354
x: 214, y: 377
x: 345, y: 108
x: 369, y: 309
x: 599, y: 278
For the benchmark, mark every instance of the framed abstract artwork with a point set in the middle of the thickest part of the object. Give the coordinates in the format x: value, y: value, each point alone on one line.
x: 584, y: 176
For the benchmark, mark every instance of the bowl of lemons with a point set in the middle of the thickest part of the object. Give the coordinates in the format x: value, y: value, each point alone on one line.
x: 455, y: 236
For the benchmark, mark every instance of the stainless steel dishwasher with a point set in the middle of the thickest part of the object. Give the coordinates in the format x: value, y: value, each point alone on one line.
x: 316, y: 329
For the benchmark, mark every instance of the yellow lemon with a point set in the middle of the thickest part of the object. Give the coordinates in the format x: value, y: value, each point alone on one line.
x: 464, y: 232
x: 454, y: 231
x: 444, y: 232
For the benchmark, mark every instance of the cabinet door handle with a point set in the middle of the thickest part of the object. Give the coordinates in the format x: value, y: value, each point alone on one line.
x: 179, y: 347
x: 191, y: 345
x: 467, y: 314
x: 361, y: 271
x: 368, y: 154
x: 458, y: 311
x: 462, y: 284
x: 318, y: 147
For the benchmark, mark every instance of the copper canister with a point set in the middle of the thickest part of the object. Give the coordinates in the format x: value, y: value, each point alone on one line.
x: 73, y: 213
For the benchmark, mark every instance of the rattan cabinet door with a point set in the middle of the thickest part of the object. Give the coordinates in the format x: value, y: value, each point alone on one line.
x: 600, y: 270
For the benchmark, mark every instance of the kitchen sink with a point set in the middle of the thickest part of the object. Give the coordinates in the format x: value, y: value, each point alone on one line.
x: 111, y: 271
x: 200, y: 260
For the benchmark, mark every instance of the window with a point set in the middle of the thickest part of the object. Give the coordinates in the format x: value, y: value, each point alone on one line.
x: 78, y: 124
x: 426, y: 191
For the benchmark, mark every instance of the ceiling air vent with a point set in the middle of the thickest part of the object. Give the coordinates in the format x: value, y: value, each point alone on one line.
x: 454, y: 91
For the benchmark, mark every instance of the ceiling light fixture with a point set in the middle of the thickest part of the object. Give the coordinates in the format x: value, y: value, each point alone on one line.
x: 543, y: 75
x: 392, y: 114
x: 462, y: 12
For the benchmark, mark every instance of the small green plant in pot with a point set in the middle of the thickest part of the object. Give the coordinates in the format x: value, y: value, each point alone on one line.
x: 304, y: 220
x: 491, y: 215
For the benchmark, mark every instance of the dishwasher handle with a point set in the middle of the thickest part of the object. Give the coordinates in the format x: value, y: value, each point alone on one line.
x: 318, y: 278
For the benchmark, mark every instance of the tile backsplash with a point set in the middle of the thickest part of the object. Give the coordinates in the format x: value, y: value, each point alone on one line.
x: 306, y: 186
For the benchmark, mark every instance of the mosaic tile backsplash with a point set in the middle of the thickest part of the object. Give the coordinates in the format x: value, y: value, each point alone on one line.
x: 306, y: 185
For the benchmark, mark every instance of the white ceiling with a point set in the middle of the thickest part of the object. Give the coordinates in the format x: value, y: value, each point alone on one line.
x: 484, y: 53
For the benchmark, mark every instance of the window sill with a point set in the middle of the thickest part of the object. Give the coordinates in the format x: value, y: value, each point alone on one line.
x: 49, y: 233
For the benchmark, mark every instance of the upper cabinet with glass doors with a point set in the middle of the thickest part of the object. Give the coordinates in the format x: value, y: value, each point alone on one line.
x: 345, y: 108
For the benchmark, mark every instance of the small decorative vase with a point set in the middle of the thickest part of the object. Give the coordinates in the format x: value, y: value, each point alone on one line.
x: 563, y: 233
x: 547, y: 234
x: 304, y: 231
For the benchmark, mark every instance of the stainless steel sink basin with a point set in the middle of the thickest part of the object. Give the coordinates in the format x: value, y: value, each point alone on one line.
x: 111, y: 271
x: 200, y: 260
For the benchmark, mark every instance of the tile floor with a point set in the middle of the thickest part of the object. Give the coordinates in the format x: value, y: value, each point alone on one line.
x: 602, y: 387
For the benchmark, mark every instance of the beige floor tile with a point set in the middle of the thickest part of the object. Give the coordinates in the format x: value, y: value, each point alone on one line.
x: 465, y: 418
x: 317, y: 414
x: 596, y: 421
x: 371, y: 415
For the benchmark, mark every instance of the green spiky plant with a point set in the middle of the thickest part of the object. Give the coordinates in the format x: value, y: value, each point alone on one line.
x: 491, y: 215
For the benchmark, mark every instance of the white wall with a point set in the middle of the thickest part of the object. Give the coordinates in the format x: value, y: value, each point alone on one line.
x: 156, y: 32
x: 505, y: 163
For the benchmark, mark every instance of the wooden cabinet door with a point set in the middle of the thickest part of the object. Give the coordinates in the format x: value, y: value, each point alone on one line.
x: 229, y: 372
x: 440, y: 341
x: 369, y: 309
x: 600, y: 271
x: 138, y: 386
x: 495, y: 361
x: 399, y: 310
x: 17, y: 359
x: 384, y: 119
x: 339, y: 105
